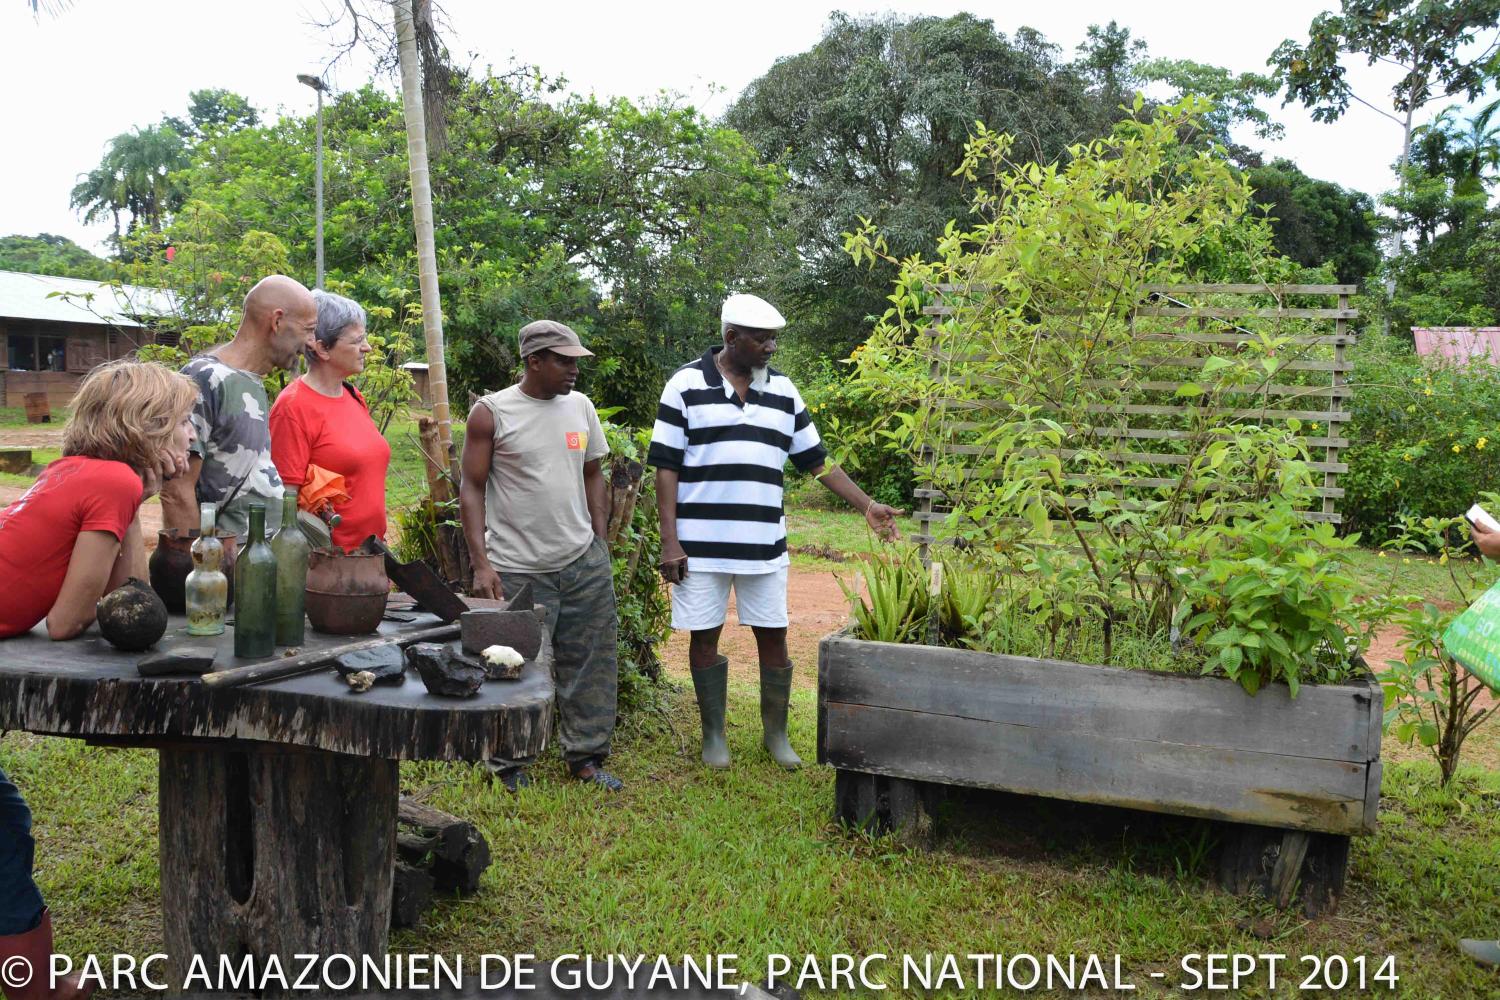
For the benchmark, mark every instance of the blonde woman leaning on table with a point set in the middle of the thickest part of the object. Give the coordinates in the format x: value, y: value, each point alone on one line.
x: 76, y: 534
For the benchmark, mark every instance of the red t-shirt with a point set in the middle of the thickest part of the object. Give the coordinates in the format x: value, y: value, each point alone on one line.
x: 309, y: 428
x: 38, y: 531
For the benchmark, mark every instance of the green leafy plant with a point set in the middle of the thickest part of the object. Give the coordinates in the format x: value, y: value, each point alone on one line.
x: 1430, y: 699
x: 1196, y: 536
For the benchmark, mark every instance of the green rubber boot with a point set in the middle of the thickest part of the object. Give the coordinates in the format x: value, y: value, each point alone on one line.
x: 709, y: 684
x: 775, y: 691
x: 1484, y: 952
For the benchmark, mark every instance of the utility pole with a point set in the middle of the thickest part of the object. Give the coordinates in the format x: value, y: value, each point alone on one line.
x: 317, y: 84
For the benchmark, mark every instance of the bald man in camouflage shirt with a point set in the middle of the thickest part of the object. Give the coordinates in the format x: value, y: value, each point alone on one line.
x: 231, y: 463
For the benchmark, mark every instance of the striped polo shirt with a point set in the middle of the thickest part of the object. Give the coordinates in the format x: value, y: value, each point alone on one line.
x: 729, y: 456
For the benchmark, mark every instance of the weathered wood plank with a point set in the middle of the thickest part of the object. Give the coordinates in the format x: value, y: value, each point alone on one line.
x: 1154, y: 361
x: 1140, y: 433
x: 91, y: 689
x: 1137, y: 457
x: 1164, y: 410
x: 1253, y: 289
x: 1300, y: 793
x: 1246, y: 312
x: 1156, y: 385
x: 1080, y: 503
x: 1325, y: 721
x: 1227, y: 339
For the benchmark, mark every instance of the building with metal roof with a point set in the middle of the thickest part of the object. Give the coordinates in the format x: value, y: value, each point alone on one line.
x: 56, y: 329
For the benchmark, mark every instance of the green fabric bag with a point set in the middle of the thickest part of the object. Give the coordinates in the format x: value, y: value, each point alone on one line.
x: 1473, y: 639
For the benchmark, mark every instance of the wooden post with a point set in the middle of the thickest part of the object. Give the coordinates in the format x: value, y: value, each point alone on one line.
x: 452, y: 553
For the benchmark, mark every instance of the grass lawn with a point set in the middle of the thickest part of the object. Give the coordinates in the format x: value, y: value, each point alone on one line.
x: 747, y: 862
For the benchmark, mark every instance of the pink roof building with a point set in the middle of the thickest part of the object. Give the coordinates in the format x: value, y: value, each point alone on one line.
x: 1458, y: 344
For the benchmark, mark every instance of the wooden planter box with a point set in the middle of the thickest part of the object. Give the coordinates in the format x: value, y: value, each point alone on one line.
x: 1295, y: 777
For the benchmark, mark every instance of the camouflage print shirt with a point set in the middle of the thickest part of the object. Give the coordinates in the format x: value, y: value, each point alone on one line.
x: 234, y: 441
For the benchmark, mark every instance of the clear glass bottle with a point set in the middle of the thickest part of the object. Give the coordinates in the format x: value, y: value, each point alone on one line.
x: 207, y: 588
x: 255, y: 591
x: 291, y: 549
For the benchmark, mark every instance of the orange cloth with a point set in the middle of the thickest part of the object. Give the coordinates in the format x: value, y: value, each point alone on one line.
x: 321, y: 489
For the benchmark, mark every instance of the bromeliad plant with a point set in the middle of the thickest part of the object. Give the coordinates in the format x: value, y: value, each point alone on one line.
x: 1011, y: 405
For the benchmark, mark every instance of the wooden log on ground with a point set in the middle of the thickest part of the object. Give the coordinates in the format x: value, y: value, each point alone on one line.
x: 411, y: 895
x: 16, y: 460
x: 453, y: 850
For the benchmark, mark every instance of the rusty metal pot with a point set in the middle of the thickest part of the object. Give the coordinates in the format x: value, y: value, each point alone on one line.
x: 172, y: 561
x: 346, y: 592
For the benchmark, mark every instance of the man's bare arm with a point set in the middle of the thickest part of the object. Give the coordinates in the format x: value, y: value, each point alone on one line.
x: 479, y: 452
x: 597, y: 494
x: 673, y: 559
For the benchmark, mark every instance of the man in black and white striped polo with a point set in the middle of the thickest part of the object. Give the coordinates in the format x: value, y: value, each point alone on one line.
x: 725, y: 427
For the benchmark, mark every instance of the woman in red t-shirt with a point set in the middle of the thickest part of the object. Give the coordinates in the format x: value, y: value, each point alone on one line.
x: 76, y: 534
x: 320, y: 419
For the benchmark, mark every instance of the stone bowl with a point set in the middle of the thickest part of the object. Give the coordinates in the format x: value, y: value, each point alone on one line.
x: 344, y: 614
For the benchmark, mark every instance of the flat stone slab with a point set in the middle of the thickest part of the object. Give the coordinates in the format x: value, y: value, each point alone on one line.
x: 193, y: 660
x: 386, y: 662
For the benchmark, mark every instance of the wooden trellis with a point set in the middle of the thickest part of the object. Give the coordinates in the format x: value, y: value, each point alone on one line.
x: 1191, y: 323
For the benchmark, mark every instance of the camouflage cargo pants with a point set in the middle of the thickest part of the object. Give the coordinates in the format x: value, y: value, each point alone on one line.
x: 580, y: 603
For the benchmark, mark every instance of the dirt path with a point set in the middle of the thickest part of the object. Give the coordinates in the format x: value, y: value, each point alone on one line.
x: 150, y: 513
x: 41, y: 436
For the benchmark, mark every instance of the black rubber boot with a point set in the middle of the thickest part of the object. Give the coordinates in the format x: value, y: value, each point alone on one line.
x: 709, y: 685
x: 775, y: 692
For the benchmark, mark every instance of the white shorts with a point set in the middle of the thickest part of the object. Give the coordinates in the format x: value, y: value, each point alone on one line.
x: 701, y: 600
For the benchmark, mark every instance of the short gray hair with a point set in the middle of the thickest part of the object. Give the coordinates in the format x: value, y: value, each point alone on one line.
x: 335, y: 315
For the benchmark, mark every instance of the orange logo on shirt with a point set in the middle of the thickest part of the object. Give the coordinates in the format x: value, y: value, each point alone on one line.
x: 578, y: 440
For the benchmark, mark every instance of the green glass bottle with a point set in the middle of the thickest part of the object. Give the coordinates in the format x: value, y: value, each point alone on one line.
x: 289, y: 546
x: 207, y: 588
x: 255, y: 591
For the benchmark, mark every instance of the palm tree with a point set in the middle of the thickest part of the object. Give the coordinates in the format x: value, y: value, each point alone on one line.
x: 135, y: 176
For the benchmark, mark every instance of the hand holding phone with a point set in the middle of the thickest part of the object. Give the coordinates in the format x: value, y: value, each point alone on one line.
x: 1481, y: 519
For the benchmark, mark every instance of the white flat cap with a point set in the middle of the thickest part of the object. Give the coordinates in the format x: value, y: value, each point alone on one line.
x: 751, y: 311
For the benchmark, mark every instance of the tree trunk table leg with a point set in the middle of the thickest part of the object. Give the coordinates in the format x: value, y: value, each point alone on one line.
x: 273, y: 853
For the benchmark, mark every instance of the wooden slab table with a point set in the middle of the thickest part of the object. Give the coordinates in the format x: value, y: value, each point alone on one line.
x: 277, y: 802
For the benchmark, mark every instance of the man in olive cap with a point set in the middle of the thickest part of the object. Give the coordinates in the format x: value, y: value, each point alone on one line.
x: 533, y: 505
x: 725, y: 428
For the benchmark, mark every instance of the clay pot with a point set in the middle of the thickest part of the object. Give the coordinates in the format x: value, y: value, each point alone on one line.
x: 173, y: 560
x: 346, y: 592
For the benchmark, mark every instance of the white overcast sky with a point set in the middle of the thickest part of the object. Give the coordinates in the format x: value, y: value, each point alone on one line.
x: 74, y: 79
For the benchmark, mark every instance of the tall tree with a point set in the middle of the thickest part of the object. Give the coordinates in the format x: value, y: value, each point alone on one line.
x: 871, y: 123
x: 421, y: 207
x: 1318, y: 222
x: 134, y: 178
x: 1428, y: 40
